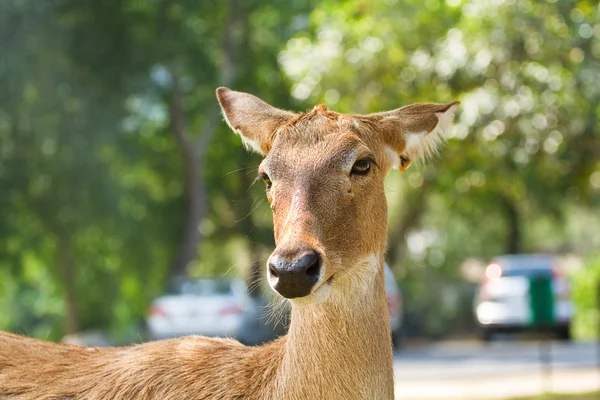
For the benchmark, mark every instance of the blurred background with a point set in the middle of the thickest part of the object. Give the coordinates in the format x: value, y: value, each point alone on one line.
x: 126, y: 206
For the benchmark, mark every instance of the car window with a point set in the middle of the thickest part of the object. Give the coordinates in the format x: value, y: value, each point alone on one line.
x: 528, y: 271
x: 526, y: 266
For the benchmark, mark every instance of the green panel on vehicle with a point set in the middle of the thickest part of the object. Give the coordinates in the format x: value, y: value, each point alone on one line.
x: 541, y: 300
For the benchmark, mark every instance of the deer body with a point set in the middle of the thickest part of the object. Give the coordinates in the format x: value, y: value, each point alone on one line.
x: 324, y: 175
x: 349, y: 358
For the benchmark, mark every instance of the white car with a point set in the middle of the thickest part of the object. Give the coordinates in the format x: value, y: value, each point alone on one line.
x: 503, y: 300
x: 209, y: 307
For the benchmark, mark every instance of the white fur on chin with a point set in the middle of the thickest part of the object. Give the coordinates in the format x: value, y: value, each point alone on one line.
x: 317, y: 297
x: 357, y: 279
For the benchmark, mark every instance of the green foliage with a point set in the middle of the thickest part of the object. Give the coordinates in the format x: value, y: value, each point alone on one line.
x: 586, y: 296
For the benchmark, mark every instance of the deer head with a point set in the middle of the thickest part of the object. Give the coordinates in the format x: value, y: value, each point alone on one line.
x: 324, y: 174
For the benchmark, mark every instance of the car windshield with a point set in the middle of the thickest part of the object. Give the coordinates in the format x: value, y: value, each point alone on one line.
x: 528, y: 271
x: 528, y: 266
x: 201, y: 287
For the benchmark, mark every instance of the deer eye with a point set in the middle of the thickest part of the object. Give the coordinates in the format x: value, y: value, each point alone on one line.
x: 362, y: 166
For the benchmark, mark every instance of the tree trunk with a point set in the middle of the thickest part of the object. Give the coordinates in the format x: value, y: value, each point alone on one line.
x: 67, y: 276
x: 513, y: 220
x: 193, y: 184
x: 194, y: 151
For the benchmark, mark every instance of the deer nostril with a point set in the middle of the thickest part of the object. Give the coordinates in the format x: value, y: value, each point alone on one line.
x: 313, y: 271
x: 273, y: 271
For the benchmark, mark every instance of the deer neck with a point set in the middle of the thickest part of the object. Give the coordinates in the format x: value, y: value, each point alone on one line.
x: 341, y: 348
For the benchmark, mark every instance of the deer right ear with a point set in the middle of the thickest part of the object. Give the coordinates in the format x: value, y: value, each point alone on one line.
x: 254, y: 120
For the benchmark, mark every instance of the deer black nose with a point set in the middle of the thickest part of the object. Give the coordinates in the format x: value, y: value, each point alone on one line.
x: 294, y: 275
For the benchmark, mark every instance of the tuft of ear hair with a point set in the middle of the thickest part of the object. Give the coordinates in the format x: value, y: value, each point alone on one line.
x: 414, y: 132
x: 423, y: 144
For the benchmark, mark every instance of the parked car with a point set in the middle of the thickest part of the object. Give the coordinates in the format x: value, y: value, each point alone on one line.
x: 209, y: 307
x: 502, y: 302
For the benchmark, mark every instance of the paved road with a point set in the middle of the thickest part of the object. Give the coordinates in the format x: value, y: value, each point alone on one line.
x: 472, y: 370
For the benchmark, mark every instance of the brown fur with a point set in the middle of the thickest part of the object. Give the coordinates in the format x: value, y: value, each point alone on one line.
x: 338, y: 345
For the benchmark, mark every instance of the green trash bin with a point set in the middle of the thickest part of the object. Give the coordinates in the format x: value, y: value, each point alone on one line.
x: 541, y: 301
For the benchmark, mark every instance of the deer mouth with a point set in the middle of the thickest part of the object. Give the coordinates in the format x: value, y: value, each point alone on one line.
x: 319, y: 295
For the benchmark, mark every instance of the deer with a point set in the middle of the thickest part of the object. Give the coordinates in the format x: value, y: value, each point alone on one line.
x: 324, y: 177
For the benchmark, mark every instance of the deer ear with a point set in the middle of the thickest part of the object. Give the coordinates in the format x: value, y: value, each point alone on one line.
x: 254, y: 120
x: 415, y: 131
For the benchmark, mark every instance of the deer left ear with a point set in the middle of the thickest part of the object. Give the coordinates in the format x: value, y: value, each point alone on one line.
x: 415, y: 131
x: 254, y: 120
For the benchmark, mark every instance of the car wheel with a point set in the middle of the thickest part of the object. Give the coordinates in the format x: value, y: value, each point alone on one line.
x: 396, y: 340
x: 564, y: 333
x: 487, y: 335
